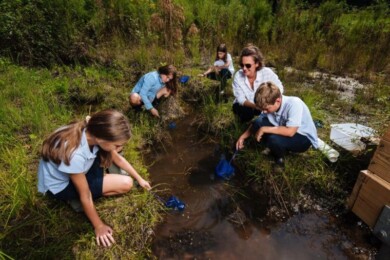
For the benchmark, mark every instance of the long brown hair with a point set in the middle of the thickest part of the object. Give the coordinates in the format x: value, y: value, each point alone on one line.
x: 172, y: 84
x: 108, y: 125
x: 221, y: 48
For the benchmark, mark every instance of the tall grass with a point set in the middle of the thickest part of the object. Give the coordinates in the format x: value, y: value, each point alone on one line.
x: 330, y: 35
x: 34, y: 103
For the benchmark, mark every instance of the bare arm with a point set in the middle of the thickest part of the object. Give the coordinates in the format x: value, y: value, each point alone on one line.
x: 241, y: 139
x: 278, y: 130
x: 122, y: 163
x: 206, y: 72
x: 102, y: 231
x: 247, y: 103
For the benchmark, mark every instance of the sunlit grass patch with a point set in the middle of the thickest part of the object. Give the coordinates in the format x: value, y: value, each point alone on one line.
x: 33, y: 104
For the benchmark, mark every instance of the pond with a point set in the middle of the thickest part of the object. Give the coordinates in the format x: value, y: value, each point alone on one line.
x: 215, y: 226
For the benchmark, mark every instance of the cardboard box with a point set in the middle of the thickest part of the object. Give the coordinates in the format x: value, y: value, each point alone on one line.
x: 386, y: 136
x: 380, y: 162
x: 370, y: 194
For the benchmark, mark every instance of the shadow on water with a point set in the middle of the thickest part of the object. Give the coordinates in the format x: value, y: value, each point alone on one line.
x: 215, y: 225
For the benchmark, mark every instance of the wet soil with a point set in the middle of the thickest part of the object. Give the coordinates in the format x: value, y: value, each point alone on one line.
x: 224, y: 220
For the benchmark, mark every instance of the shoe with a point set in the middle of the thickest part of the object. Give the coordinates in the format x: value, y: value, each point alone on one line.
x: 279, y: 161
x: 266, y: 151
x: 76, y: 205
x: 279, y: 165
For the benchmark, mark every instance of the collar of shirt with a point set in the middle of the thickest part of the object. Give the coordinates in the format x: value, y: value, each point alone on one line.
x: 85, y: 146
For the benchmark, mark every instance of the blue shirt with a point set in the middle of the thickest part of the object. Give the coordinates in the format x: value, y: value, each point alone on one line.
x: 147, y: 87
x: 55, y: 177
x: 293, y: 112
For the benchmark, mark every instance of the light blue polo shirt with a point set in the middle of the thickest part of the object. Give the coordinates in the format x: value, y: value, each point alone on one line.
x: 147, y: 87
x: 293, y: 112
x: 55, y: 177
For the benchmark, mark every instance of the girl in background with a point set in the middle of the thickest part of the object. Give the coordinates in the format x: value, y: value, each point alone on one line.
x: 222, y: 68
x: 73, y: 161
x: 152, y: 86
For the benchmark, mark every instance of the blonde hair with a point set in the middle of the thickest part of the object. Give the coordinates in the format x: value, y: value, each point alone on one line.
x: 266, y: 94
x: 108, y: 125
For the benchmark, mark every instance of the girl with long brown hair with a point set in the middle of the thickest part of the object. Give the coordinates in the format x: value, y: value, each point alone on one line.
x: 73, y: 161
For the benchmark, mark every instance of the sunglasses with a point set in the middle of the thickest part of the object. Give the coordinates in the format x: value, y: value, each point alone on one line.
x: 248, y: 65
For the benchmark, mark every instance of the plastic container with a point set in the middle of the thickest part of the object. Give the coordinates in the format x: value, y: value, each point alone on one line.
x: 349, y: 136
x: 328, y: 151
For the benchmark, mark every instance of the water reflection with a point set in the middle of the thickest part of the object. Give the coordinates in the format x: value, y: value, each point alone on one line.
x: 214, y: 226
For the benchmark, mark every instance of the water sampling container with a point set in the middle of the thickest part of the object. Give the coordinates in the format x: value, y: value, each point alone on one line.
x: 351, y: 136
x: 328, y: 151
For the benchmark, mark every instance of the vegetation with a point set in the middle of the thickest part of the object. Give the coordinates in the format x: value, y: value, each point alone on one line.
x: 62, y: 60
x: 339, y: 36
x: 34, y: 103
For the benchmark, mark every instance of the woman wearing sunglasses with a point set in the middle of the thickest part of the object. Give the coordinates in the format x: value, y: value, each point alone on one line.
x: 152, y: 86
x: 248, y: 79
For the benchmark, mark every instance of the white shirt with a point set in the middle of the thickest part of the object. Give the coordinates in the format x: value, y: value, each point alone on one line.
x: 241, y: 86
x: 231, y: 67
x: 293, y: 112
x: 220, y: 63
x: 55, y: 177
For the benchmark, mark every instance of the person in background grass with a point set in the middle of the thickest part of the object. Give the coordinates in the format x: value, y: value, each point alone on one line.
x: 285, y: 124
x: 222, y: 68
x: 73, y: 161
x: 248, y: 79
x: 152, y: 86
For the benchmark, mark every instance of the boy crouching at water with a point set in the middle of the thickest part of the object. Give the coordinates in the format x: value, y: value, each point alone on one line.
x: 285, y: 124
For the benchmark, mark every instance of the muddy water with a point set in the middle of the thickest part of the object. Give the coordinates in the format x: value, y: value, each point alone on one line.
x: 213, y: 226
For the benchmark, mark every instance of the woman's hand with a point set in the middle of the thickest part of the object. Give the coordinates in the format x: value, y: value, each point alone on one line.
x: 104, y: 235
x: 144, y: 184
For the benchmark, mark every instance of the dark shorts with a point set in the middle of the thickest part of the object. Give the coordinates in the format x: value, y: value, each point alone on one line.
x: 139, y: 107
x: 95, y: 181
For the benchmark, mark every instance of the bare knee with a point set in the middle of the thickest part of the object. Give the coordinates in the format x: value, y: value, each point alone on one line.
x: 126, y: 185
x: 135, y: 99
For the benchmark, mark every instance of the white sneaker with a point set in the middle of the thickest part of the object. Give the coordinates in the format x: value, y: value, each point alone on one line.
x: 266, y: 151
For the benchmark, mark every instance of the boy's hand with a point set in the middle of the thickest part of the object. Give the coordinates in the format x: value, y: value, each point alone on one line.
x: 240, y: 143
x: 259, y: 134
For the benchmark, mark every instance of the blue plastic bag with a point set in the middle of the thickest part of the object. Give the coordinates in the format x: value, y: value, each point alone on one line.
x: 184, y: 79
x: 175, y: 203
x: 224, y: 169
x: 172, y: 125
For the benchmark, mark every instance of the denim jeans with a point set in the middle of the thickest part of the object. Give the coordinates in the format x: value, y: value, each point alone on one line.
x: 279, y: 144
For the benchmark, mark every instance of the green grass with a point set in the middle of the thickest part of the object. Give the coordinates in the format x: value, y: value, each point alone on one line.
x: 34, y: 102
x: 310, y: 172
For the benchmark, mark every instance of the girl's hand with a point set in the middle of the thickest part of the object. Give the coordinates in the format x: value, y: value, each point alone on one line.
x: 104, y: 235
x: 144, y: 184
x: 154, y: 112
